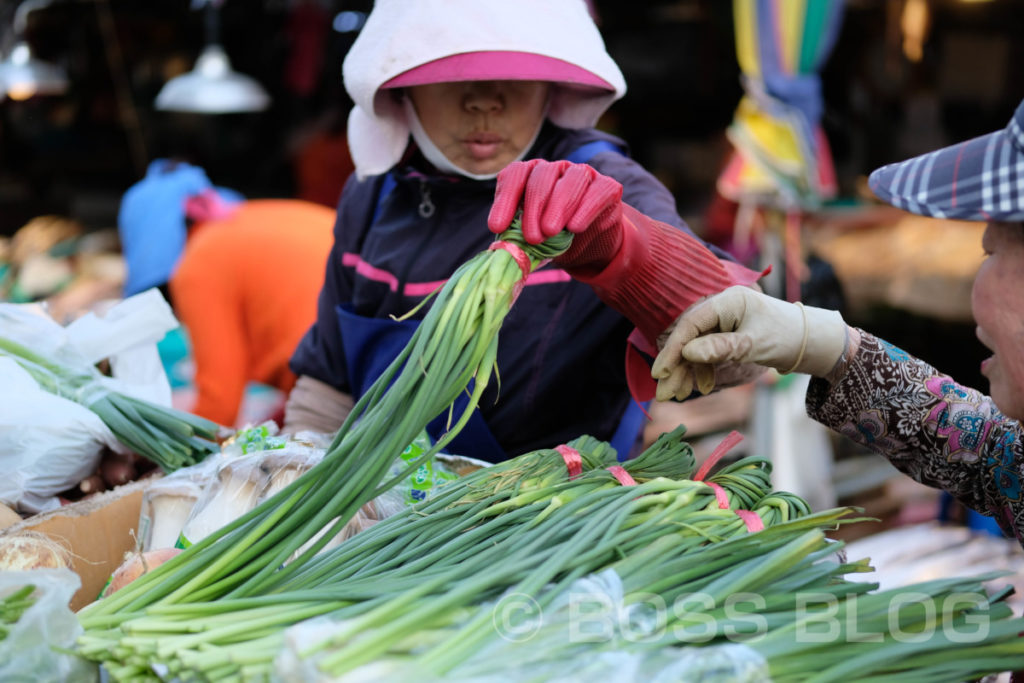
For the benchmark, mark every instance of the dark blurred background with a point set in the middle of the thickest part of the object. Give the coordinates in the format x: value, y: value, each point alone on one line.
x: 75, y: 154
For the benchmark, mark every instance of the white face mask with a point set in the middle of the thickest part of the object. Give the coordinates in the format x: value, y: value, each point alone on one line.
x: 435, y: 156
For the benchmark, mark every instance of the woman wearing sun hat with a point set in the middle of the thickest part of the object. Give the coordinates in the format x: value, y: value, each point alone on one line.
x: 447, y: 94
x: 939, y: 432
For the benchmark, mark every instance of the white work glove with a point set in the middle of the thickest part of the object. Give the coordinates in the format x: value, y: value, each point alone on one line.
x: 740, y: 325
x: 315, y: 406
x: 708, y: 377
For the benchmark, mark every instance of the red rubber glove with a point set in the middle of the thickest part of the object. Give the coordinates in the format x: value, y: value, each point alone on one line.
x: 557, y: 195
x: 647, y: 270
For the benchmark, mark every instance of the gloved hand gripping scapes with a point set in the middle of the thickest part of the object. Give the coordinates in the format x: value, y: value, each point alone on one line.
x: 647, y: 270
x: 741, y: 325
x: 557, y: 195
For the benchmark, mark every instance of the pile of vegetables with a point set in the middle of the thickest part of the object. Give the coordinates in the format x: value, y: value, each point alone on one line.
x: 422, y: 594
x: 419, y: 595
x: 500, y: 524
x: 170, y: 438
x: 454, y: 346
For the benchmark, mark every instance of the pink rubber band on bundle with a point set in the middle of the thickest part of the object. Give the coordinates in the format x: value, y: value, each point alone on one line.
x: 622, y: 475
x: 521, y: 259
x: 720, y: 495
x: 573, y: 460
x: 750, y: 518
x: 716, y: 455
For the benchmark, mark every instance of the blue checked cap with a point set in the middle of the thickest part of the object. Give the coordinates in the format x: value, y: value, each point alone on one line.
x: 978, y: 180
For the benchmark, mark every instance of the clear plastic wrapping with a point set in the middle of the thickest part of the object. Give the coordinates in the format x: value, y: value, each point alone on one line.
x: 38, y: 645
x: 257, y: 463
x: 241, y: 483
x: 168, y: 502
x: 549, y: 646
x: 231, y: 493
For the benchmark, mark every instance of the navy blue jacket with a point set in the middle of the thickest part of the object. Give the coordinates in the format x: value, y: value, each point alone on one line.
x: 561, y: 350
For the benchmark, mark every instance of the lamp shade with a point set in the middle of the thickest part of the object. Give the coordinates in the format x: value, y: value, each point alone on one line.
x: 22, y: 75
x: 212, y: 87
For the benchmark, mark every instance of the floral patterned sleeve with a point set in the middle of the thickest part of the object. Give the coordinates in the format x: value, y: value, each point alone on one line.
x: 940, y: 433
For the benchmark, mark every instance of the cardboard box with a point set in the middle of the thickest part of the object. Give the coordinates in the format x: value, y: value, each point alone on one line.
x: 98, y: 532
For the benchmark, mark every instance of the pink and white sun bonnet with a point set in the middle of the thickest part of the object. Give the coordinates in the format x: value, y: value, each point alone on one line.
x: 414, y: 42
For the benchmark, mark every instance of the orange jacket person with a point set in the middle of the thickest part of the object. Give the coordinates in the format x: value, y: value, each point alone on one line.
x: 246, y: 289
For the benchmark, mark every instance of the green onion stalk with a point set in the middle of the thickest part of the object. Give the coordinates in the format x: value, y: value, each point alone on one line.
x: 576, y: 538
x: 13, y: 606
x: 781, y: 594
x: 634, y: 611
x: 397, y: 555
x: 417, y: 537
x: 669, y: 456
x: 944, y: 630
x: 406, y: 552
x: 669, y: 543
x: 455, y: 344
x: 675, y: 522
x: 664, y: 509
x: 748, y: 479
x: 448, y: 546
x: 409, y: 539
x: 478, y: 560
x: 605, y: 538
x: 168, y: 437
x: 818, y: 626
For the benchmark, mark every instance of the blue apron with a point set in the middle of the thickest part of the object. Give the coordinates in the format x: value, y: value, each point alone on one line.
x: 371, y: 344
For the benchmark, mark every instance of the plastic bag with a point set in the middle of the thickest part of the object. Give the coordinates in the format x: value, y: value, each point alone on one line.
x: 127, y: 334
x: 595, y: 617
x: 37, y: 647
x: 262, y: 437
x: 729, y: 663
x: 49, y: 442
x: 616, y: 651
x: 233, y: 491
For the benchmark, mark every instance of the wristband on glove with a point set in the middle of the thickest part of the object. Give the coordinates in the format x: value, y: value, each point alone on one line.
x: 803, y: 342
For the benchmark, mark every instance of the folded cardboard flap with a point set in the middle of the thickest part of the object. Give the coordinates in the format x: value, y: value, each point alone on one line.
x: 98, y: 532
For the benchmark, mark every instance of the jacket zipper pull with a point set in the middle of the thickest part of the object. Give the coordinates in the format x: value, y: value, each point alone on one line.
x: 426, y: 207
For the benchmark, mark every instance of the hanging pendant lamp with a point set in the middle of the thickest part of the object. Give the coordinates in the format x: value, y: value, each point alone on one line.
x: 22, y: 75
x: 212, y: 87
